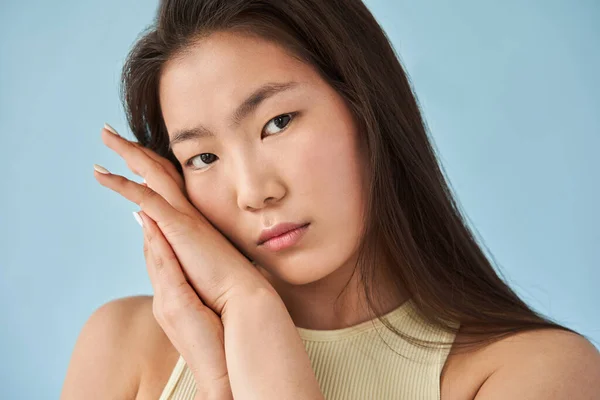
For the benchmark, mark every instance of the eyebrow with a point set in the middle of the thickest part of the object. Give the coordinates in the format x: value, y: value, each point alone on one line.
x: 247, y: 107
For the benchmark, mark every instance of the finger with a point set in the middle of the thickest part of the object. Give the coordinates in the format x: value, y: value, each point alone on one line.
x: 147, y: 199
x: 152, y: 170
x: 169, y: 167
x: 163, y: 265
x: 148, y: 256
x: 163, y: 161
x: 173, y: 173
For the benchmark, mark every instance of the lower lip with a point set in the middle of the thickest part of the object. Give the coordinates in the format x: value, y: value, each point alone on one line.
x: 286, y: 240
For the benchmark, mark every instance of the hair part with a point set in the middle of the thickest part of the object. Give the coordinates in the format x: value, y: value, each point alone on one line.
x: 413, y: 227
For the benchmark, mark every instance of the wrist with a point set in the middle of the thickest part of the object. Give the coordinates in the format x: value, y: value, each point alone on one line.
x: 245, y: 297
x: 260, y: 302
x: 248, y: 283
x: 215, y: 392
x: 259, y: 287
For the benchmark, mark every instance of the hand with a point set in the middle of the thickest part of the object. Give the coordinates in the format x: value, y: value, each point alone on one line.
x: 194, y: 329
x: 214, y: 267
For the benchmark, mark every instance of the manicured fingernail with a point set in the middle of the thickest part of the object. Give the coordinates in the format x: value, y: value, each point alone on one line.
x: 138, y: 218
x: 111, y: 129
x: 101, y: 169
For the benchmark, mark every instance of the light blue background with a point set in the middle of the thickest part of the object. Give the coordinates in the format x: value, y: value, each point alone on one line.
x: 509, y: 90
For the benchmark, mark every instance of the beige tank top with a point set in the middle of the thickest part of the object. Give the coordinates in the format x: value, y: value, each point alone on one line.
x: 356, y: 362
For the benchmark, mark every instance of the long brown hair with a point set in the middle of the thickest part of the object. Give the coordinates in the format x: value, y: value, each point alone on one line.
x: 413, y: 225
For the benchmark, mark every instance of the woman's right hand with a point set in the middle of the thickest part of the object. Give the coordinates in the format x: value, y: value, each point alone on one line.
x: 194, y: 329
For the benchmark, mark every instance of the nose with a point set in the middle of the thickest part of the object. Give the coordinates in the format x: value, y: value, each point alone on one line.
x: 257, y: 184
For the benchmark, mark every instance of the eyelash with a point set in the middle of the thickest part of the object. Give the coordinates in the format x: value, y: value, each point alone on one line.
x: 292, y: 115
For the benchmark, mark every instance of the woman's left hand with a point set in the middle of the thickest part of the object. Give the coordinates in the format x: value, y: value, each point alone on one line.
x: 213, y: 265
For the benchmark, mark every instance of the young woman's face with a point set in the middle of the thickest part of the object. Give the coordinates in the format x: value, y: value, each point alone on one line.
x: 295, y: 157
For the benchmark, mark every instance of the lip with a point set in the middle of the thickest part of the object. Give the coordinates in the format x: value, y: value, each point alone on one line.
x: 286, y: 240
x: 278, y: 230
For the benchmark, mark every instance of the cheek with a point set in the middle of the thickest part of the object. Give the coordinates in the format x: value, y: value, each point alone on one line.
x: 209, y: 201
x: 328, y: 172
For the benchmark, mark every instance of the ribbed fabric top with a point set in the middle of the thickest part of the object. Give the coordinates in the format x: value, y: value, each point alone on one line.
x: 357, y: 362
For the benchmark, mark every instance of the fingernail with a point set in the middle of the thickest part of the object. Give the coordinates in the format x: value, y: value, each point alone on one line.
x: 101, y: 169
x: 138, y: 218
x: 111, y: 129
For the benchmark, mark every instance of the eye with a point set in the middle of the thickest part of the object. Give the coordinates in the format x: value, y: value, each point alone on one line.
x: 280, y: 122
x: 204, y: 157
x: 283, y: 119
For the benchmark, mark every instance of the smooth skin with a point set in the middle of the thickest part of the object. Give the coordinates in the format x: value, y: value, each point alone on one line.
x: 219, y: 276
x: 263, y: 174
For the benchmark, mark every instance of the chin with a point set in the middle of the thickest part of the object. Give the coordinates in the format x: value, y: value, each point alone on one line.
x: 295, y: 272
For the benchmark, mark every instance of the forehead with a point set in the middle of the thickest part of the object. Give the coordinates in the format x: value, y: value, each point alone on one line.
x: 218, y: 72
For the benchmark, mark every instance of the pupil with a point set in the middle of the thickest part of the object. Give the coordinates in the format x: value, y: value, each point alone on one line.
x: 204, y: 157
x: 279, y: 119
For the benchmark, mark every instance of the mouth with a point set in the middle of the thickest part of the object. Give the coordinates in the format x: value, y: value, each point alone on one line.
x: 285, y: 238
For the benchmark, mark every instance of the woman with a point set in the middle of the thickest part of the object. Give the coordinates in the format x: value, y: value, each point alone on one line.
x: 252, y: 114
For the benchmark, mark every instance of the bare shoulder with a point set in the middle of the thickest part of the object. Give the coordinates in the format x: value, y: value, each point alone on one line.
x: 548, y: 364
x: 117, y: 350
